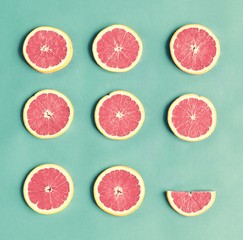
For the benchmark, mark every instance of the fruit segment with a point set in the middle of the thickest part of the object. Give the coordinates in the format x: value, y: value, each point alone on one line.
x: 191, y: 203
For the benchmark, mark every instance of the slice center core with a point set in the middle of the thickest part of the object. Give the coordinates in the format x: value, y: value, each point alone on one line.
x: 48, y: 189
x: 48, y: 114
x: 118, y: 191
x: 119, y: 115
x: 45, y: 48
x: 193, y: 117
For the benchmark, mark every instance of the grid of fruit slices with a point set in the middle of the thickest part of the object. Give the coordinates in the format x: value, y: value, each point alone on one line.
x: 49, y: 114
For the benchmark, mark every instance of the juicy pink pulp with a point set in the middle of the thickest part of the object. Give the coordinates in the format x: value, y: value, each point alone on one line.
x: 46, y: 49
x: 119, y: 190
x: 192, y: 117
x: 48, y: 114
x: 191, y: 202
x: 119, y: 115
x: 194, y: 48
x: 118, y: 48
x: 48, y: 189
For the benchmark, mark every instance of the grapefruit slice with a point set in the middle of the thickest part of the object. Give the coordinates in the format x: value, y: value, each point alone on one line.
x: 119, y: 190
x: 48, y: 189
x: 48, y: 114
x: 117, y: 48
x: 194, y: 49
x: 119, y: 115
x: 47, y: 49
x: 191, y: 203
x: 192, y: 117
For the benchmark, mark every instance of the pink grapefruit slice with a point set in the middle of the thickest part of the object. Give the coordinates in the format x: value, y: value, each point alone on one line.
x: 192, y: 117
x: 194, y: 49
x: 48, y: 189
x: 119, y: 115
x: 191, y: 203
x: 117, y: 48
x: 48, y: 114
x: 119, y: 190
x: 47, y: 49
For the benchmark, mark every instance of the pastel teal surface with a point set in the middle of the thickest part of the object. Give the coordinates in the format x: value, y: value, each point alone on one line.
x: 164, y: 161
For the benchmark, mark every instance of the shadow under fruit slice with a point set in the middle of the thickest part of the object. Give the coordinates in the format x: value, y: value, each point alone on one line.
x: 48, y: 114
x: 119, y: 115
x: 117, y: 48
x: 191, y: 203
x: 194, y: 49
x: 192, y: 117
x: 48, y: 189
x: 47, y: 49
x: 119, y: 190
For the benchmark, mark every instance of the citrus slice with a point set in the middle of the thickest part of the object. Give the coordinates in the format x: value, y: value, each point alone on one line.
x: 191, y: 203
x: 48, y: 189
x: 47, y: 49
x: 194, y: 49
x: 119, y: 115
x: 119, y: 190
x: 48, y: 114
x: 117, y: 48
x: 192, y: 117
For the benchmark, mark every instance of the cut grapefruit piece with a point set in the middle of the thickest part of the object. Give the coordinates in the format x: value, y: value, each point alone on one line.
x: 119, y: 115
x: 117, y: 48
x: 48, y: 114
x: 119, y: 190
x: 191, y: 203
x: 47, y: 49
x: 194, y: 49
x: 48, y: 189
x: 192, y: 117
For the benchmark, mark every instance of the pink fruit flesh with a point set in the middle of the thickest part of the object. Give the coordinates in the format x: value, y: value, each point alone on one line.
x: 118, y: 48
x: 119, y: 115
x: 119, y: 190
x: 46, y: 49
x: 48, y: 114
x: 192, y: 118
x: 48, y: 188
x: 194, y: 48
x: 191, y: 202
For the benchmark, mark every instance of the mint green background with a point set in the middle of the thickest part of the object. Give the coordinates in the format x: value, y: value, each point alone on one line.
x: 164, y: 161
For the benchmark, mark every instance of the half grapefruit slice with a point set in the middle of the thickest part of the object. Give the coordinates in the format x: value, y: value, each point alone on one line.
x: 48, y: 189
x: 192, y: 117
x: 117, y: 48
x: 47, y: 49
x: 191, y: 203
x: 194, y: 49
x: 119, y: 115
x: 119, y: 190
x: 48, y: 114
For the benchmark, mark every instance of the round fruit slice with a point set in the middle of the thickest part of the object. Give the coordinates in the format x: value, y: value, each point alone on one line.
x: 194, y: 49
x: 119, y: 115
x: 117, y: 48
x: 191, y: 203
x: 48, y: 114
x: 47, y: 49
x: 119, y: 190
x: 48, y: 189
x: 192, y: 117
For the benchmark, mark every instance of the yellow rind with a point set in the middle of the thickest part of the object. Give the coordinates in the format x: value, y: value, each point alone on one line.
x: 64, y: 62
x: 109, y: 210
x: 171, y: 202
x: 96, y: 115
x: 26, y: 107
x: 214, y: 117
x: 101, y: 33
x: 34, y: 206
x: 178, y: 64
